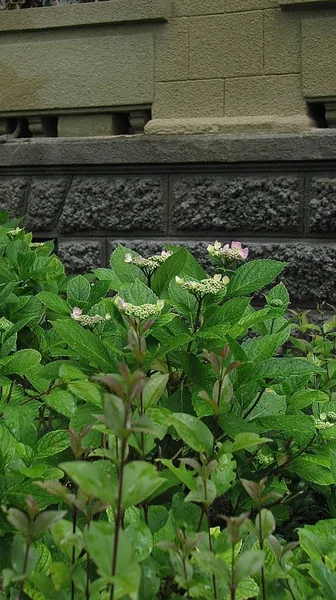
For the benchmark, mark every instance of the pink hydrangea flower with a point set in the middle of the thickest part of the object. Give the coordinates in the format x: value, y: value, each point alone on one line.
x: 237, y: 248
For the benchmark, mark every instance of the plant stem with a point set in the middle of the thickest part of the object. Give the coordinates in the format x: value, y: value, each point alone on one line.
x: 254, y: 404
x: 119, y: 513
x: 73, y: 559
x: 214, y: 584
x: 87, y: 586
x: 196, y: 323
x: 261, y: 544
x: 25, y: 564
x: 233, y: 579
x: 215, y: 433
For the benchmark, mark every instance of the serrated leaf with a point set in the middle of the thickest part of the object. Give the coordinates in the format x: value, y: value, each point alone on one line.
x: 52, y: 443
x: 20, y: 363
x: 168, y: 270
x: 62, y: 402
x: 54, y: 302
x: 78, y: 291
x: 254, y: 275
x: 85, y: 343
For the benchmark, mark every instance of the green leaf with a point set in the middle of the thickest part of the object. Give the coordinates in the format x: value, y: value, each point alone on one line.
x: 193, y: 432
x: 248, y: 563
x: 282, y: 368
x: 54, y: 302
x: 184, y: 302
x: 97, y: 479
x: 110, y: 277
x: 181, y: 473
x: 278, y: 293
x: 52, y: 443
x: 20, y: 363
x: 84, y: 342
x: 304, y: 398
x: 99, y: 543
x: 254, y: 275
x: 269, y: 404
x: 174, y: 343
x: 154, y: 389
x: 326, y: 578
x: 301, y: 427
x: 333, y: 464
x: 311, y: 472
x: 224, y: 317
x: 88, y: 391
x: 168, y: 270
x: 62, y: 402
x: 126, y: 272
x: 265, y: 347
x: 138, y: 293
x: 78, y: 291
x: 193, y: 368
x: 141, y: 479
x: 243, y: 441
x: 141, y: 540
x: 224, y: 474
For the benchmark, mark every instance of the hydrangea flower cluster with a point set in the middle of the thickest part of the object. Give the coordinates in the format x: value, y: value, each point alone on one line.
x: 148, y: 265
x: 232, y: 253
x: 212, y: 285
x: 324, y: 422
x: 87, y: 320
x: 139, y: 312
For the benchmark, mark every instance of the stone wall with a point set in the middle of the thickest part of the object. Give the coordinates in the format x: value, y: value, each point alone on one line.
x: 147, y: 191
x: 194, y: 66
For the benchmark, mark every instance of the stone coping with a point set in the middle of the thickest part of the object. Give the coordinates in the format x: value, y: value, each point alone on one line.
x: 307, y: 4
x: 178, y: 149
x: 80, y: 15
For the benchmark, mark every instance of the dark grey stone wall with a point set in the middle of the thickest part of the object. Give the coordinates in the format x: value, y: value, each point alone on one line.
x: 277, y: 194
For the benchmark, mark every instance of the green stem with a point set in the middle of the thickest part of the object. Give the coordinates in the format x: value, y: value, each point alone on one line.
x: 119, y: 514
x: 233, y: 579
x: 73, y: 558
x: 25, y: 564
x: 214, y: 583
x: 87, y: 586
x: 261, y: 544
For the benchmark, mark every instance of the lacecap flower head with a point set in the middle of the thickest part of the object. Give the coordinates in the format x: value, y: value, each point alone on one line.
x: 87, y: 320
x: 233, y: 252
x: 145, y: 311
x: 212, y: 285
x: 148, y: 264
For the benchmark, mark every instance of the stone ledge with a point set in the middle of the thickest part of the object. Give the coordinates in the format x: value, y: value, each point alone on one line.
x: 80, y: 15
x: 319, y: 145
x: 306, y: 4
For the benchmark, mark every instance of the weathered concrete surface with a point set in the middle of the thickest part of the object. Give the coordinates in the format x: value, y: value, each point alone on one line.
x: 134, y: 150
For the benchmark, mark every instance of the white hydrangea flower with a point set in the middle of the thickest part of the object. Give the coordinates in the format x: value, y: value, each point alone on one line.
x: 87, y: 320
x: 148, y: 264
x: 235, y: 252
x: 145, y: 311
x: 212, y: 285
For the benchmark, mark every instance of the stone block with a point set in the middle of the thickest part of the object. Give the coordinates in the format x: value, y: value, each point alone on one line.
x: 189, y: 99
x: 46, y: 197
x: 115, y: 204
x: 267, y: 95
x: 172, y: 50
x: 226, y: 46
x: 85, y: 125
x: 217, y: 203
x: 245, y: 5
x: 322, y: 206
x: 319, y: 55
x: 187, y: 8
x: 310, y: 272
x: 282, y: 42
x: 109, y: 66
x: 12, y: 195
x: 81, y: 256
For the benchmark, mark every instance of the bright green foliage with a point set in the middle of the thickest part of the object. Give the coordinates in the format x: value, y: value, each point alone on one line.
x: 164, y: 457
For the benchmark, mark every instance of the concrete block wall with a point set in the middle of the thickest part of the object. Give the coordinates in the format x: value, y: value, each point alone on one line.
x: 141, y: 192
x: 200, y: 66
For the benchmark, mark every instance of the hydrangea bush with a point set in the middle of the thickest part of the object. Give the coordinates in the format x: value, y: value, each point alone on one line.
x: 160, y: 436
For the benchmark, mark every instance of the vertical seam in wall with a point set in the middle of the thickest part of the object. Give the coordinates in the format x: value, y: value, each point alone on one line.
x: 104, y: 253
x: 223, y: 97
x: 60, y: 210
